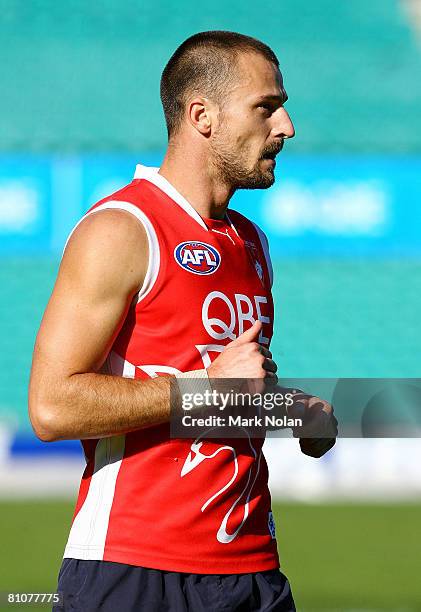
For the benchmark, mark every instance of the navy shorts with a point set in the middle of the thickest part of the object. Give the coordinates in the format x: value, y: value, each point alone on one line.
x: 89, y: 586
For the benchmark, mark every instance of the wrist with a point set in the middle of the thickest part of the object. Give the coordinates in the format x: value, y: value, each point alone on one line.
x: 193, y: 383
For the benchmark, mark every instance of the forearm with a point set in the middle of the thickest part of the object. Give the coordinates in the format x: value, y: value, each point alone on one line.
x: 94, y: 405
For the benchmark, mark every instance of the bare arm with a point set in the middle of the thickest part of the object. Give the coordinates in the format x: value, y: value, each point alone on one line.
x: 103, y: 267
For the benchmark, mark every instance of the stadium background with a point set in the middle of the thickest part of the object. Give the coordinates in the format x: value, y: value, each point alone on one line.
x: 80, y: 106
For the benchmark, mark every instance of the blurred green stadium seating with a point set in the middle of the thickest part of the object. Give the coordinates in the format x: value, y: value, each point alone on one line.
x: 80, y: 77
x: 84, y: 76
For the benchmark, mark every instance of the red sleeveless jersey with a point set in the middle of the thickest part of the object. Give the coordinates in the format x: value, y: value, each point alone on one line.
x: 185, y: 505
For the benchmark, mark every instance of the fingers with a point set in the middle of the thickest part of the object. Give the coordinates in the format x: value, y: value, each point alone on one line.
x: 250, y: 335
x: 269, y: 365
x: 318, y: 420
x: 297, y: 411
x: 271, y: 380
x: 317, y: 403
x: 312, y: 403
x: 245, y: 358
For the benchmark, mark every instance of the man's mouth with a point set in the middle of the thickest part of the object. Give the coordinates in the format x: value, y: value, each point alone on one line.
x: 272, y: 154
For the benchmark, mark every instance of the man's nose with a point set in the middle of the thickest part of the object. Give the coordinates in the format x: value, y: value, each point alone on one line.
x: 284, y: 126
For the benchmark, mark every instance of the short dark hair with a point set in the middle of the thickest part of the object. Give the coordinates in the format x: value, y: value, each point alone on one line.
x: 204, y: 63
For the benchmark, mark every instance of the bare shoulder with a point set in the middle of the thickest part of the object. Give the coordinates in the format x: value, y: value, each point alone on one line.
x: 111, y: 243
x: 110, y: 225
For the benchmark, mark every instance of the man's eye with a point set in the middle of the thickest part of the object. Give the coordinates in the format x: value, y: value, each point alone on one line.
x: 267, y: 107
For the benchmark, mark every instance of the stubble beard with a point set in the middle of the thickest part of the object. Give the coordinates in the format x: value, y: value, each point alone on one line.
x: 232, y: 167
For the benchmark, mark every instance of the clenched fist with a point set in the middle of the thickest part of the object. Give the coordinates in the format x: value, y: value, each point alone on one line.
x: 245, y: 358
x: 320, y: 427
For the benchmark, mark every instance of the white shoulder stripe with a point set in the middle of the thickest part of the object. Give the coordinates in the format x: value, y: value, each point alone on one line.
x: 265, y: 246
x: 152, y: 175
x: 154, y: 253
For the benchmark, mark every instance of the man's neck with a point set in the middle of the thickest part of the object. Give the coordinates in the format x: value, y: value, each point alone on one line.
x: 190, y: 176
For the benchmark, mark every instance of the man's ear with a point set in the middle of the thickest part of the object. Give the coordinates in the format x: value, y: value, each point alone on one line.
x: 201, y: 114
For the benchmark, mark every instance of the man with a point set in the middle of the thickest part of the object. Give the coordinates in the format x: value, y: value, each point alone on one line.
x: 157, y: 280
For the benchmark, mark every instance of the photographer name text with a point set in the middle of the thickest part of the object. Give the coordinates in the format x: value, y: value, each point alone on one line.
x: 267, y: 420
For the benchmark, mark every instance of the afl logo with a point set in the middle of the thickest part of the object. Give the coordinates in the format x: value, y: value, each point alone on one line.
x: 197, y: 257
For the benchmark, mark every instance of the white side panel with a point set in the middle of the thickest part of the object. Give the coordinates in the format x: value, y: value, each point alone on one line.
x: 89, y: 530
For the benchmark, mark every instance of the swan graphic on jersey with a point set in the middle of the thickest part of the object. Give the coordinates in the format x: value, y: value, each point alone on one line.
x: 196, y: 457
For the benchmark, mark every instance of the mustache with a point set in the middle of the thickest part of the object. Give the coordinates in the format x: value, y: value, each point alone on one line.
x: 273, y: 150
